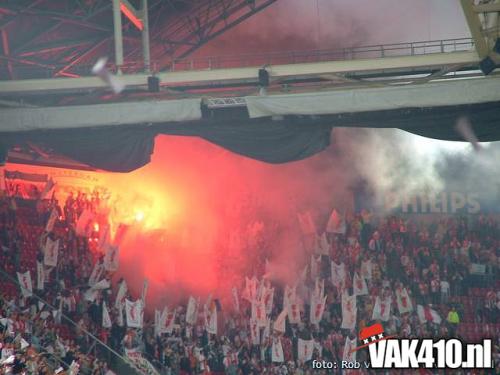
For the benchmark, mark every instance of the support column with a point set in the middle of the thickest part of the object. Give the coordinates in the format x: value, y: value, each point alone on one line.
x: 117, y: 25
x: 146, y: 53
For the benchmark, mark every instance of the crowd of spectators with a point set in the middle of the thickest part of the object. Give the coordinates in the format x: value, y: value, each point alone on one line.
x: 434, y: 260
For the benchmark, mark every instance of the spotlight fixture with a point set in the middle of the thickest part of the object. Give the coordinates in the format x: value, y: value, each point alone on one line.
x: 487, y: 65
x: 153, y: 84
x: 263, y: 78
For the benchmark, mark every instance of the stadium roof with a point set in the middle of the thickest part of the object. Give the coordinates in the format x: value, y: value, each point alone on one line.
x: 46, y: 83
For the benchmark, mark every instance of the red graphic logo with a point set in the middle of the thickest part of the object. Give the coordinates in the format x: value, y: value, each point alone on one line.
x: 371, y: 335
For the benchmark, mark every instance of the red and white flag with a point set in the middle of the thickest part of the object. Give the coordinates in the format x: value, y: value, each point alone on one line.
x: 268, y: 298
x: 259, y: 312
x: 192, y: 311
x: 322, y: 246
x: 168, y: 320
x: 315, y: 264
x: 106, y: 319
x: 49, y: 186
x: 359, y: 285
x: 317, y: 308
x: 121, y: 294
x: 52, y: 220
x: 349, y: 353
x: 51, y: 251
x: 25, y: 283
x: 236, y: 300
x: 349, y: 311
x: 211, y: 319
x: 83, y: 222
x: 290, y: 296
x: 40, y: 276
x: 426, y: 314
x: 280, y: 322
x: 382, y: 309
x: 251, y: 288
x: 338, y: 274
x: 111, y: 257
x: 305, y: 350
x: 336, y: 223
x: 403, y: 300
x: 277, y: 355
x: 254, y: 332
x: 134, y: 313
x: 293, y: 313
x: 306, y: 223
x: 96, y: 274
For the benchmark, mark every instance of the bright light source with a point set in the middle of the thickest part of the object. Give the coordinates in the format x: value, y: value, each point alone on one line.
x: 139, y: 216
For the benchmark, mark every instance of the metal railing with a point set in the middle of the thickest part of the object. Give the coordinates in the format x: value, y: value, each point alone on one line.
x: 263, y: 59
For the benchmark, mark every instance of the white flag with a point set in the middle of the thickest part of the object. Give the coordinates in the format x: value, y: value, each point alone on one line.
x: 349, y: 355
x: 52, y: 220
x: 82, y: 225
x: 322, y: 246
x: 111, y: 257
x: 426, y: 314
x: 403, y: 300
x: 277, y: 351
x: 168, y: 320
x: 251, y: 285
x: 359, y: 285
x: 191, y: 312
x: 280, y: 322
x: 268, y: 298
x: 121, y: 294
x: 317, y: 308
x: 349, y: 311
x: 25, y: 283
x: 96, y: 273
x: 382, y: 309
x: 236, y: 301
x: 158, y: 322
x: 259, y: 313
x: 290, y: 296
x: 49, y: 186
x: 134, y: 313
x: 103, y: 284
x: 306, y: 223
x: 336, y: 223
x: 106, y: 319
x: 40, y: 276
x: 305, y: 350
x: 338, y: 274
x: 293, y: 313
x: 211, y: 320
x: 145, y: 286
x: 51, y: 250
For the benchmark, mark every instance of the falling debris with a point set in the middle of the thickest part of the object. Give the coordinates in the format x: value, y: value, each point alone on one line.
x: 464, y: 128
x: 100, y: 70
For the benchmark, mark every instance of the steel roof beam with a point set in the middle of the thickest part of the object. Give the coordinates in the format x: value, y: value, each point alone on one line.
x: 250, y: 74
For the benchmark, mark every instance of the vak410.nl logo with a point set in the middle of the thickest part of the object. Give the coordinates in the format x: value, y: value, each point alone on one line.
x: 388, y: 352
